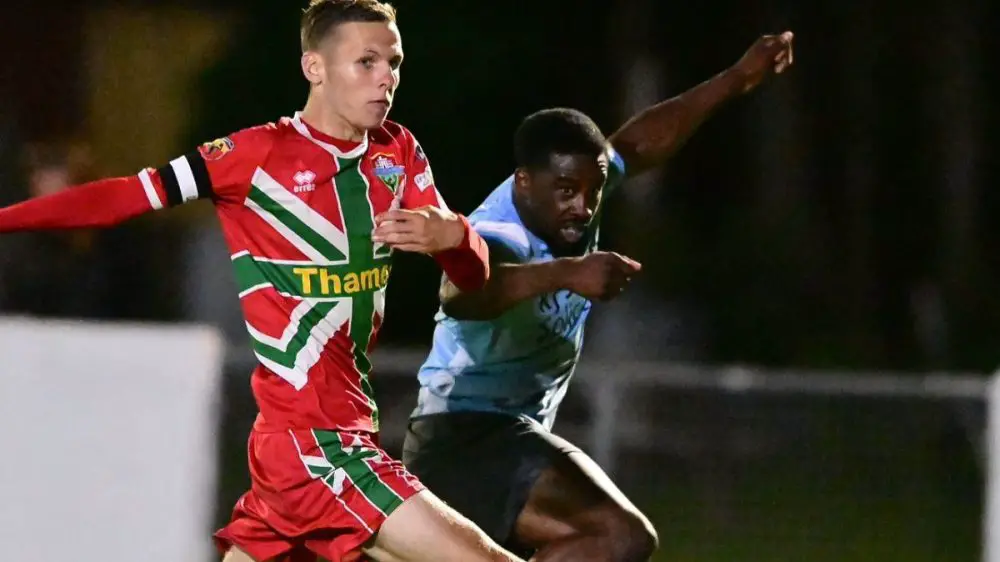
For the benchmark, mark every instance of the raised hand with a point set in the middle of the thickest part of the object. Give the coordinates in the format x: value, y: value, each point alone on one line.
x: 769, y: 54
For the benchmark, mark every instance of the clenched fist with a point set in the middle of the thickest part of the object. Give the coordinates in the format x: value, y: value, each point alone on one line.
x: 601, y: 275
x: 770, y: 53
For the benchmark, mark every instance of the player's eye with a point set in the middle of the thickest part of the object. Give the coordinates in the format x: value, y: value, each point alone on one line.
x: 367, y: 62
x: 396, y: 62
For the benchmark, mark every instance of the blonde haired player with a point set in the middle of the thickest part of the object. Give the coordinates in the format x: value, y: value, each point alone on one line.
x: 312, y: 207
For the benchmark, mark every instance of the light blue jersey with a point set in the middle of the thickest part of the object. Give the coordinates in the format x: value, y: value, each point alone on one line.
x: 521, y: 362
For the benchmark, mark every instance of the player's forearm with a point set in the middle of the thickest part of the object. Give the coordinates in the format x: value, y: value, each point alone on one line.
x: 509, y: 284
x: 468, y: 264
x: 97, y: 204
x: 649, y: 138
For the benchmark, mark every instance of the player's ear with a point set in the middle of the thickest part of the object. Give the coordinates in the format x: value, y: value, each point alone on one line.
x: 522, y: 181
x: 312, y: 67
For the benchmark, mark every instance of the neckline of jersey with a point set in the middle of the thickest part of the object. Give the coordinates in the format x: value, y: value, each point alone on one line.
x: 339, y: 147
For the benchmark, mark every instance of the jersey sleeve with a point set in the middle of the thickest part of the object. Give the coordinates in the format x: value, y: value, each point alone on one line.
x: 220, y: 170
x: 419, y: 189
x: 214, y: 171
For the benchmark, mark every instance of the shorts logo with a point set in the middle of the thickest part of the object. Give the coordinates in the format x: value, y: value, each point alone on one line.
x: 387, y: 170
x: 216, y: 149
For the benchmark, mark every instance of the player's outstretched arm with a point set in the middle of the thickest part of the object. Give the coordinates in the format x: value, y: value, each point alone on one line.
x: 100, y: 203
x: 597, y: 276
x: 650, y: 137
x: 208, y: 172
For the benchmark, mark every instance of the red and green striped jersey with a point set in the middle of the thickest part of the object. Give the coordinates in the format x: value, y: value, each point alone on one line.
x: 297, y: 210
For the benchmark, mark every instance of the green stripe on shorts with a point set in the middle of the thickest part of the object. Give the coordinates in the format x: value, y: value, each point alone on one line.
x: 351, y: 460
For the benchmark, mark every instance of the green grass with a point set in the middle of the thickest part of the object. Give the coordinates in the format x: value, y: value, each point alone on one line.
x: 872, y: 510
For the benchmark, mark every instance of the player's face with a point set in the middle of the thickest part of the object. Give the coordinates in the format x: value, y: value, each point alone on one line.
x: 562, y: 198
x: 361, y: 71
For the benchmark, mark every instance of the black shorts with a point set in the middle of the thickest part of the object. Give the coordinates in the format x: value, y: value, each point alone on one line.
x: 482, y: 464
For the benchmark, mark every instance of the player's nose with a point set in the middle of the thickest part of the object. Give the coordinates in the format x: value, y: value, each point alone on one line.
x: 581, y: 210
x: 391, y: 80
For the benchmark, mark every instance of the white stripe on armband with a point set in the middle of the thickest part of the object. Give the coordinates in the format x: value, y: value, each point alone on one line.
x: 185, y: 178
x: 150, y: 189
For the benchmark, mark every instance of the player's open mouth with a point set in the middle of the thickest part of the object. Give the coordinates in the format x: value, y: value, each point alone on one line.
x: 573, y: 232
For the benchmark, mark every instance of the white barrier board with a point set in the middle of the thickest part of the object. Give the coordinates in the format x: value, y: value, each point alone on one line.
x: 107, y: 441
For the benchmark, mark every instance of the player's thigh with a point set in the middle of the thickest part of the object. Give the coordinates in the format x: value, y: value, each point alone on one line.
x: 234, y: 554
x: 572, y: 496
x: 425, y: 529
x: 483, y: 465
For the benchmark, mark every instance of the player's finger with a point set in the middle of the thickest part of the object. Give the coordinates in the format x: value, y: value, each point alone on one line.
x: 397, y: 224
x: 401, y: 215
x: 392, y: 228
x: 618, y: 281
x: 787, y: 42
x: 415, y: 248
x: 393, y: 238
x: 628, y: 264
x: 779, y: 64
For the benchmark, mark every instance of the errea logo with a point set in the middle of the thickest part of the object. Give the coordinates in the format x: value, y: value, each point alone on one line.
x: 304, y: 181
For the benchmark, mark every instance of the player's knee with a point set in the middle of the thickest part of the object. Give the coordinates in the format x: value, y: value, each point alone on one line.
x: 484, y: 549
x: 643, y: 540
x: 633, y: 533
x: 234, y: 554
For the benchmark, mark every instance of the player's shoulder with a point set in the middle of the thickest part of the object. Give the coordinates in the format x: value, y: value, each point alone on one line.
x: 498, y: 205
x: 393, y: 134
x: 496, y: 220
x: 249, y: 141
x: 266, y: 133
x: 391, y: 131
x: 616, y: 163
x: 511, y: 234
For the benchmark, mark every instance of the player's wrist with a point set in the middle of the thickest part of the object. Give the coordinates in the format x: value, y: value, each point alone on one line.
x: 563, y: 273
x: 735, y: 80
x: 462, y: 229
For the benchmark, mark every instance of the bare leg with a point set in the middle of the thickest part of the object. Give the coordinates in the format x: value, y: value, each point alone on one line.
x: 425, y: 529
x: 575, y: 513
x: 236, y: 555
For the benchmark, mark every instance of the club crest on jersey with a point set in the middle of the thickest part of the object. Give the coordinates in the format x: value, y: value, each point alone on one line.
x: 216, y: 149
x: 387, y: 170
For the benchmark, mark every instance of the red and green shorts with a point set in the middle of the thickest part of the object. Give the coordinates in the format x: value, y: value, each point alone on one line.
x: 315, y: 493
